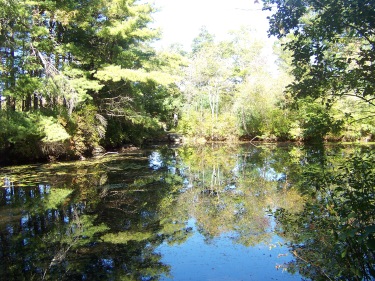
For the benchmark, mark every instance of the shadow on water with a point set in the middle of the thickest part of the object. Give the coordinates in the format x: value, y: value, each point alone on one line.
x: 213, y: 212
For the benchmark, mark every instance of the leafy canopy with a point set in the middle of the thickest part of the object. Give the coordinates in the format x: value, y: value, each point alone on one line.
x: 332, y: 45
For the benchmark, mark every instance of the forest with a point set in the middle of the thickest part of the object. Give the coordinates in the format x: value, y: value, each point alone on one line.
x: 84, y: 78
x: 81, y: 77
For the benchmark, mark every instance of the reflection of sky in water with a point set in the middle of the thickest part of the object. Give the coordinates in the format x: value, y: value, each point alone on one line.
x: 172, y: 170
x: 155, y: 160
x: 108, y: 263
x: 222, y: 259
x: 270, y: 174
x: 24, y: 220
x: 266, y: 171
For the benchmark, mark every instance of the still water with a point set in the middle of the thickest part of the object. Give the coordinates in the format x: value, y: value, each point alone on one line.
x: 214, y: 212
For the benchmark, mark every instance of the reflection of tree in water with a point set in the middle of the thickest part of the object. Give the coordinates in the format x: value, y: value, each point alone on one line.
x: 103, y: 225
x: 333, y: 238
x: 229, y: 192
x: 104, y: 219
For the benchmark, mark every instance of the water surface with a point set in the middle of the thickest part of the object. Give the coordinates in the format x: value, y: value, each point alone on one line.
x: 214, y: 212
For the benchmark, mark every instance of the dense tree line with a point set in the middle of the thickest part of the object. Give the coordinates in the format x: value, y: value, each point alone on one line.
x: 229, y: 91
x: 79, y: 75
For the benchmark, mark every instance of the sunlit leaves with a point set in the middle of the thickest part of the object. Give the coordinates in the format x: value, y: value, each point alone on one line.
x: 72, y: 56
x: 229, y: 91
x: 115, y: 73
x: 53, y: 130
x: 332, y: 45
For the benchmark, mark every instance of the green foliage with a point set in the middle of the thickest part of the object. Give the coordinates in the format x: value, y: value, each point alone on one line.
x: 86, y: 74
x: 358, y: 119
x: 18, y: 127
x: 337, y: 223
x: 329, y: 48
x: 53, y: 130
x: 86, y: 63
x: 19, y: 136
x: 116, y: 74
x: 221, y: 128
x: 258, y: 111
x: 314, y: 121
x: 332, y: 47
x: 203, y: 40
x: 30, y: 136
x: 87, y: 127
x: 228, y: 91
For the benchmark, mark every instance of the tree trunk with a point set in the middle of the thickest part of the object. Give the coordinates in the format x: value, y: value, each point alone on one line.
x: 27, y: 103
x: 36, y: 101
x: 12, y: 82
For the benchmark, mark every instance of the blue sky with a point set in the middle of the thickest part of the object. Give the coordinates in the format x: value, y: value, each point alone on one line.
x: 181, y: 20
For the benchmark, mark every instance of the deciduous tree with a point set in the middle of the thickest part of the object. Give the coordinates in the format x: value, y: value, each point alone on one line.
x: 332, y: 45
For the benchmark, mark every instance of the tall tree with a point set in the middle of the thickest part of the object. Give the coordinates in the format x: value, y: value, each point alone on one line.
x: 209, y: 82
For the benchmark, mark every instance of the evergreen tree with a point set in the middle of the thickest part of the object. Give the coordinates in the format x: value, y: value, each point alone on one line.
x: 89, y: 65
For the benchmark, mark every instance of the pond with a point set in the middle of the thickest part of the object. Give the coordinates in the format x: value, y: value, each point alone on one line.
x: 213, y: 212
